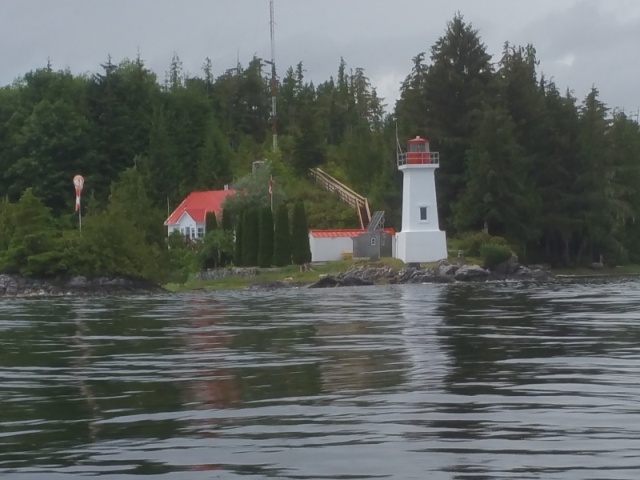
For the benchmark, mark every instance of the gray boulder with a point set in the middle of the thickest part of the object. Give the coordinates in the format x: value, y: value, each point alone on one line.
x: 471, y: 273
x: 325, y: 282
x: 508, y: 267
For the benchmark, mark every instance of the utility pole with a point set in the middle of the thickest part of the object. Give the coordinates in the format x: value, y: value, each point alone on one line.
x: 274, y: 80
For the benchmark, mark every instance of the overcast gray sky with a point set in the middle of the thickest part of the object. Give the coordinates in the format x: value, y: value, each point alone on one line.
x: 580, y: 43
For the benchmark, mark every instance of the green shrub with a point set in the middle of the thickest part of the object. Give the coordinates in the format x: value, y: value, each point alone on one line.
x: 471, y: 242
x: 493, y: 254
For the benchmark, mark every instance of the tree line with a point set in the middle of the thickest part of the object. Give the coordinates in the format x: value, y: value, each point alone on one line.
x: 554, y: 175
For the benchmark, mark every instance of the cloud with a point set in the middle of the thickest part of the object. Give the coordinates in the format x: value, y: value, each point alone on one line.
x: 591, y: 43
x: 579, y: 43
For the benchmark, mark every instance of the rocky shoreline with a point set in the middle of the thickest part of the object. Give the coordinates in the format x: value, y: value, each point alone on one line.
x: 357, y: 275
x: 19, y: 286
x: 445, y: 272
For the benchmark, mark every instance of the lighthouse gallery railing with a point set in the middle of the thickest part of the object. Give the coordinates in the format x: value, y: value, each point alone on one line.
x: 419, y: 158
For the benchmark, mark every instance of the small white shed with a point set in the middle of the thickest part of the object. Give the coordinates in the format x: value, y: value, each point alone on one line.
x: 330, y: 245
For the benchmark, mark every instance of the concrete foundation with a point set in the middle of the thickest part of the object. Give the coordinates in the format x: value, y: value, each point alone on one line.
x: 421, y: 247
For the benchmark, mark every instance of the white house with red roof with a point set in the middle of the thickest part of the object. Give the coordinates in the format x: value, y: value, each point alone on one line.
x: 189, y: 217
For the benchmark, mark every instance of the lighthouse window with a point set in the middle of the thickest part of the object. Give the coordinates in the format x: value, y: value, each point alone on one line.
x: 423, y: 214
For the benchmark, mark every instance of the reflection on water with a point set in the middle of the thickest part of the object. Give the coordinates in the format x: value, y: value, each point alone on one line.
x: 425, y: 381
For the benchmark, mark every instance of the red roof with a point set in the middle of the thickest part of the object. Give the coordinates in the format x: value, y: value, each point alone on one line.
x: 343, y: 232
x: 197, y: 204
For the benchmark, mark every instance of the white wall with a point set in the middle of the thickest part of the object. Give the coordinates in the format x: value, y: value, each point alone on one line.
x: 420, y: 240
x: 419, y: 190
x: 187, y: 226
x: 325, y: 249
x: 421, y: 247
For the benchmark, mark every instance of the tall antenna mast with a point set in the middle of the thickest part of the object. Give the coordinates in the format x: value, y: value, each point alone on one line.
x: 274, y: 80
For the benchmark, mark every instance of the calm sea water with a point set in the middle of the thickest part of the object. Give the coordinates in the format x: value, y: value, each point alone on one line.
x: 407, y: 382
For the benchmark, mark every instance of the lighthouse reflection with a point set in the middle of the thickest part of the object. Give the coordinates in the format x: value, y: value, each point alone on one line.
x: 420, y: 323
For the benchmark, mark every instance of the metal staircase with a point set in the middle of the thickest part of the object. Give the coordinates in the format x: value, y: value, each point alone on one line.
x: 357, y: 201
x: 377, y: 221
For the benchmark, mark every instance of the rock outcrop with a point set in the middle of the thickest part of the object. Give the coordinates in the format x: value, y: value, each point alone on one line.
x: 444, y: 272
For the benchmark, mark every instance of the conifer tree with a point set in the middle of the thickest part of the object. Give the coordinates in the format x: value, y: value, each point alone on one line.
x: 227, y: 220
x: 226, y: 224
x: 239, y: 261
x: 300, y: 248
x: 265, y: 241
x: 210, y: 222
x: 209, y: 253
x: 250, y: 237
x: 282, y: 238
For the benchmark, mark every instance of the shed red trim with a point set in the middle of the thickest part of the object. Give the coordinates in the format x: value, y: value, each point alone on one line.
x: 342, y: 232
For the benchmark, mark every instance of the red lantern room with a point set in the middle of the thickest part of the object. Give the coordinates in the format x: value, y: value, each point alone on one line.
x: 418, y: 153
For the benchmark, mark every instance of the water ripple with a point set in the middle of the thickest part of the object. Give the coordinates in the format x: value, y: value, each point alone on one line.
x: 477, y: 381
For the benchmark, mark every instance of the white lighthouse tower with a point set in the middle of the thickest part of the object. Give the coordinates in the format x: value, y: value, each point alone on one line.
x: 420, y: 239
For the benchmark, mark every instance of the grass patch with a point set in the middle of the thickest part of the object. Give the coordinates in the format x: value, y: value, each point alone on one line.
x: 291, y: 273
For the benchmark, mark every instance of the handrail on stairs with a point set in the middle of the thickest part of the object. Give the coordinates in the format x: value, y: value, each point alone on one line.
x: 346, y: 194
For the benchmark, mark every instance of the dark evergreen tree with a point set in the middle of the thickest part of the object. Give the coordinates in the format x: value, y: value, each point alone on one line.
x: 498, y: 196
x: 53, y: 146
x: 300, y: 248
x: 522, y: 98
x: 209, y: 253
x: 265, y: 240
x: 227, y: 220
x: 555, y: 175
x: 250, y: 237
x: 282, y: 238
x: 594, y: 177
x: 161, y: 162
x: 213, y: 162
x: 309, y: 143
x: 210, y: 222
x: 35, y: 245
x: 121, y: 104
x: 239, y: 240
x: 625, y: 143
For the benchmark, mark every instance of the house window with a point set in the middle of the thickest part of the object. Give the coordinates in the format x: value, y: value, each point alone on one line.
x: 193, y: 232
x: 373, y: 242
x: 200, y: 232
x: 423, y: 214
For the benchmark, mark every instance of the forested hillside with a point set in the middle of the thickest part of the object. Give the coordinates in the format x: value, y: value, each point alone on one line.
x: 555, y: 175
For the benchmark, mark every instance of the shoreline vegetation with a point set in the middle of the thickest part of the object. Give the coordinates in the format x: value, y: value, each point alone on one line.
x: 343, y: 273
